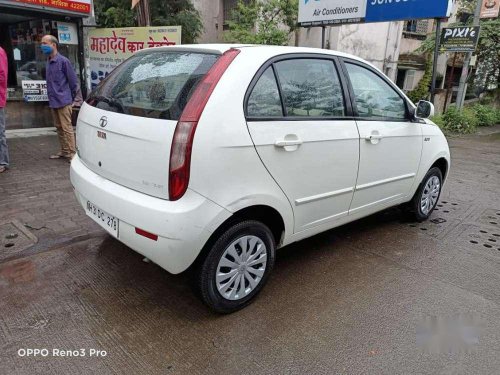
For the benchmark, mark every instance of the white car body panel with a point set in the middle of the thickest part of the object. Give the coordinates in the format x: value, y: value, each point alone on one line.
x: 121, y: 156
x: 235, y: 166
x: 183, y: 227
x: 319, y: 175
x: 387, y: 167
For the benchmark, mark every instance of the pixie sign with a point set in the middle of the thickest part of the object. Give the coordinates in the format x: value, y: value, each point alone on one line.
x: 327, y: 12
x: 459, y: 39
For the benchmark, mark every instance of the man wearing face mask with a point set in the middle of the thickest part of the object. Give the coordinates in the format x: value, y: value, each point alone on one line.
x: 62, y: 87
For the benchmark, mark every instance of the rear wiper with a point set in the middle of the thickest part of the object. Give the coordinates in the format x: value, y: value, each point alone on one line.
x: 111, y: 102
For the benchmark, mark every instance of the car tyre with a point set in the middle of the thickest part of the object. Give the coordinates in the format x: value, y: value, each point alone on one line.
x: 427, y: 195
x: 230, y: 276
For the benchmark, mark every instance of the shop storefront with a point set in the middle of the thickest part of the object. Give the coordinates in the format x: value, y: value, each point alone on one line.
x: 23, y: 23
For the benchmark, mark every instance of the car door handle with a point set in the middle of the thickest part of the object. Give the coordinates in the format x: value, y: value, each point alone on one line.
x: 373, y: 137
x: 284, y: 143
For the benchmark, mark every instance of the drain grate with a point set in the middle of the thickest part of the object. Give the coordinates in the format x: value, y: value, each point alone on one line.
x: 447, y: 208
x: 14, y: 238
x: 491, y: 217
x: 478, y: 237
x: 436, y: 227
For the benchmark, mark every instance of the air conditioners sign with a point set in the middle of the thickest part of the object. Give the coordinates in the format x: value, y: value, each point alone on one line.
x: 330, y: 12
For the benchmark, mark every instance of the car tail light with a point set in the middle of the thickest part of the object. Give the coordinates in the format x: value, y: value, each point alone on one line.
x: 182, y: 142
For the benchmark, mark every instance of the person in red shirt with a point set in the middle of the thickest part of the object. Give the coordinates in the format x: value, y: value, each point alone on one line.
x: 4, y: 151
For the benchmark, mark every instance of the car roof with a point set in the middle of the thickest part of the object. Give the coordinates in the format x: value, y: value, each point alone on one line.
x: 277, y: 50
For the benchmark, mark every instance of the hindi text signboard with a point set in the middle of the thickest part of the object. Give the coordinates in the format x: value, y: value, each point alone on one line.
x: 459, y: 39
x: 110, y: 47
x: 64, y: 6
x: 34, y: 91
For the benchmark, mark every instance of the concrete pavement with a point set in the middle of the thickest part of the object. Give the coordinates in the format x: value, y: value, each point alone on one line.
x: 349, y: 301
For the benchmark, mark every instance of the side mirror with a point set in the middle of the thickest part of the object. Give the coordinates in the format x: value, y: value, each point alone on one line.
x: 424, y: 110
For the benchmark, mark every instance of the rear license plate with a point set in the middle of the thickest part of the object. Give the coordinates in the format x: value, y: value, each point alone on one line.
x: 105, y: 220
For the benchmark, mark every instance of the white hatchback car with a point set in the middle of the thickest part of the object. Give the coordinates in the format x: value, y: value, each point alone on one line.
x: 210, y: 157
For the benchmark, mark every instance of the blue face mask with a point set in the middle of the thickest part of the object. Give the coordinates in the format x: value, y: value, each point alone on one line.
x: 47, y: 50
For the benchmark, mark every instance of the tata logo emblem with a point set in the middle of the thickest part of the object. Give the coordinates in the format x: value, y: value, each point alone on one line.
x: 103, y: 121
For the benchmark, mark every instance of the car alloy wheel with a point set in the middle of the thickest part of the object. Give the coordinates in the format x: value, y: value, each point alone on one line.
x: 427, y: 195
x: 236, y: 266
x: 241, y: 267
x: 430, y: 194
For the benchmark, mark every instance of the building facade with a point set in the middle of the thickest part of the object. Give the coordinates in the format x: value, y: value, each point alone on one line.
x: 22, y: 25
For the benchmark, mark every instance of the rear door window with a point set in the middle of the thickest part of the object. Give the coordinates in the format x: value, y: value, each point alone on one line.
x: 154, y: 85
x: 264, y: 101
x: 311, y: 88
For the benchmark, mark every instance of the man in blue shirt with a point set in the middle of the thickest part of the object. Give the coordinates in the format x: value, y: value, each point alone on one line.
x: 62, y: 87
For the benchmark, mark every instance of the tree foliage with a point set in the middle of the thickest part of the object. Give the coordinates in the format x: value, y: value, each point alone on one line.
x: 177, y: 13
x: 488, y: 55
x: 114, y: 13
x: 117, y: 13
x: 263, y: 22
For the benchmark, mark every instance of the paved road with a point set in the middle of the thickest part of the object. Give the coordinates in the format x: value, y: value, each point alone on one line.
x: 348, y: 301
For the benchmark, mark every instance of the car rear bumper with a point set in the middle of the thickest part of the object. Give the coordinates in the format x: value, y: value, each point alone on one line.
x: 183, y: 227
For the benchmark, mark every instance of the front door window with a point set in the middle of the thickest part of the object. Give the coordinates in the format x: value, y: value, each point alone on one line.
x: 374, y: 98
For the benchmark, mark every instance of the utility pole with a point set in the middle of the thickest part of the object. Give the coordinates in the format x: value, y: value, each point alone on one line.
x: 143, y: 15
x: 435, y: 61
x: 462, y: 88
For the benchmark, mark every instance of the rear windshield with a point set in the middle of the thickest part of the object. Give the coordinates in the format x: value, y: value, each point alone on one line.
x: 154, y: 85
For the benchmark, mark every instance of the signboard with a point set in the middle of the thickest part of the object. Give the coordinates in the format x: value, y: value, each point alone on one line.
x: 110, y: 47
x: 73, y: 6
x: 67, y: 33
x: 326, y: 12
x: 459, y: 39
x: 490, y: 8
x: 34, y: 91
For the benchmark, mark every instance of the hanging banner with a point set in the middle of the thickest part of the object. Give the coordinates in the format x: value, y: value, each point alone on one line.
x: 110, y: 47
x: 490, y: 8
x: 327, y: 12
x: 459, y: 39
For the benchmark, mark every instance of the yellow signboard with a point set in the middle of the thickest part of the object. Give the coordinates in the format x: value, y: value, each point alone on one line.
x: 110, y: 47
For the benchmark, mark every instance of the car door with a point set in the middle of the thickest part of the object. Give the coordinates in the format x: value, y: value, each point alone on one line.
x: 305, y: 135
x: 390, y: 142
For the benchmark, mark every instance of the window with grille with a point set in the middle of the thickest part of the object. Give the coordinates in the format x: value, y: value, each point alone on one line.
x: 416, y: 29
x: 411, y: 26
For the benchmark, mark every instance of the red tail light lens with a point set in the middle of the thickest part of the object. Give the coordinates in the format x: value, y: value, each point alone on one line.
x: 180, y: 159
x: 182, y: 142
